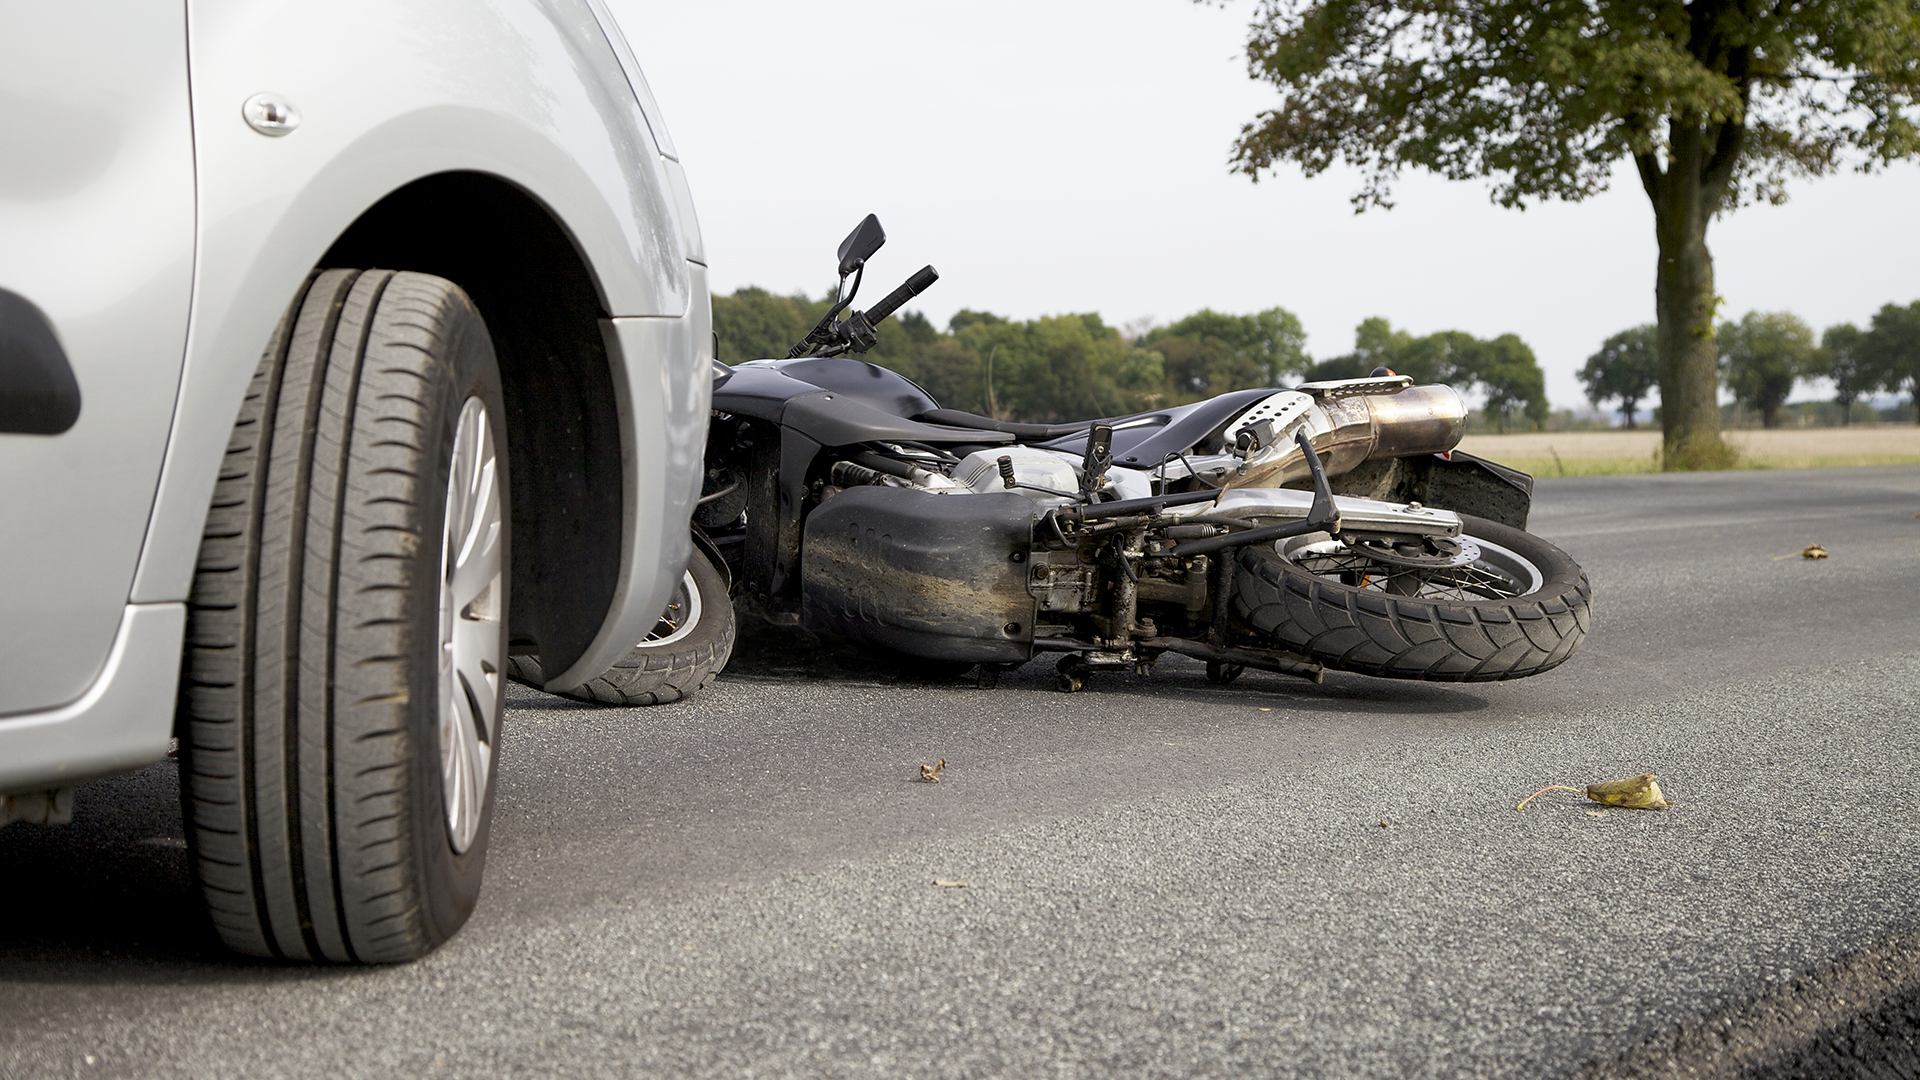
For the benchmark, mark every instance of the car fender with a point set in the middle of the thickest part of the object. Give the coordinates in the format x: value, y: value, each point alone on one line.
x: 536, y: 96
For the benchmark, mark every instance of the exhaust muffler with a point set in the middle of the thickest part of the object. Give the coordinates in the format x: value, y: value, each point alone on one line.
x: 1347, y: 422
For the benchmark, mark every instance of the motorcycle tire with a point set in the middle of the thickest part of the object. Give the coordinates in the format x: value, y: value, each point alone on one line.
x: 684, y: 653
x: 1520, y: 608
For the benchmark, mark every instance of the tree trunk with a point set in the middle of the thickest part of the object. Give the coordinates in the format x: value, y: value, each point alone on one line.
x: 1685, y: 196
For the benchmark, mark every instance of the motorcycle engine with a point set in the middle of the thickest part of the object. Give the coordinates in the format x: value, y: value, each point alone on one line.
x: 980, y: 471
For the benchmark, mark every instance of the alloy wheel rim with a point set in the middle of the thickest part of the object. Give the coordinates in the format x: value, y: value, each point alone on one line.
x: 471, y: 645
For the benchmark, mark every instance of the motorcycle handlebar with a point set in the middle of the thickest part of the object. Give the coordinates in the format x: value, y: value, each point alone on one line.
x: 914, y: 286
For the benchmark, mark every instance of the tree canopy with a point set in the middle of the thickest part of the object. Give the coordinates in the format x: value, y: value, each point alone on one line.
x: 1503, y: 368
x: 1715, y: 102
x: 1208, y: 353
x: 1892, y: 349
x: 1841, y: 359
x: 1626, y: 369
x: 1764, y: 354
x: 1067, y: 367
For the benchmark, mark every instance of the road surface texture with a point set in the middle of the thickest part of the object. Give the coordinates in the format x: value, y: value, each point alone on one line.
x: 1162, y: 877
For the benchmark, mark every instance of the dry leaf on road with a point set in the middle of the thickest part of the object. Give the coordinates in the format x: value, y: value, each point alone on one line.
x: 949, y: 884
x: 1633, y: 793
x: 931, y: 773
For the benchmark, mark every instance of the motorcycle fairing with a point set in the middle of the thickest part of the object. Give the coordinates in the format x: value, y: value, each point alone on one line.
x: 830, y: 416
x: 886, y: 390
x: 811, y: 416
x: 1143, y: 440
x: 921, y: 574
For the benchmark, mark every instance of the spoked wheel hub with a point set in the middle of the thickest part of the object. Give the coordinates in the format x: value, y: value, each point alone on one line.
x: 1432, y: 567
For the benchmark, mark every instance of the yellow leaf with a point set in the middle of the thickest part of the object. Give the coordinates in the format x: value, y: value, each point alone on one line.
x: 1634, y: 793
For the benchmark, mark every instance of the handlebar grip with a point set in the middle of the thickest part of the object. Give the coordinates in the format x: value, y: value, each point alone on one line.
x: 914, y: 286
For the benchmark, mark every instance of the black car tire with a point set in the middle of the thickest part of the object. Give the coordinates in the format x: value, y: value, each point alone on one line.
x: 311, y: 716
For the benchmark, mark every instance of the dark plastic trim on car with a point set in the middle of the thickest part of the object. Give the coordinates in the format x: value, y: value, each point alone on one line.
x: 38, y: 393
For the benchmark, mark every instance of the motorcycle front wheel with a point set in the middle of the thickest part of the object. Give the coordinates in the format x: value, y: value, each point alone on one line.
x: 1500, y: 604
x: 683, y: 653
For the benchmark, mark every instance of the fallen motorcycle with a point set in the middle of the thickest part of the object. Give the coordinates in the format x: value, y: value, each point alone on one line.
x: 1331, y: 525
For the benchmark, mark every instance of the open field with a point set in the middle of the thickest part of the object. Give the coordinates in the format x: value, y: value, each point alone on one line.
x: 1608, y: 453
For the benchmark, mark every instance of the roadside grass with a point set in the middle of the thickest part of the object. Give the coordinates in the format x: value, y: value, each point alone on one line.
x: 1622, y: 466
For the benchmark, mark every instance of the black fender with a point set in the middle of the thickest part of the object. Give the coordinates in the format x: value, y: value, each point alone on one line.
x: 942, y: 577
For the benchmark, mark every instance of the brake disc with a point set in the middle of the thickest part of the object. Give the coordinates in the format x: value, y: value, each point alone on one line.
x: 1436, y: 552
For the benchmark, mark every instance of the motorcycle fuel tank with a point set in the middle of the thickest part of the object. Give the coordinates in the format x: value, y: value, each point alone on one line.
x: 937, y: 576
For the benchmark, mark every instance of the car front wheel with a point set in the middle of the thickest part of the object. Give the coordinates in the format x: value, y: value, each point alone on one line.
x: 342, y: 684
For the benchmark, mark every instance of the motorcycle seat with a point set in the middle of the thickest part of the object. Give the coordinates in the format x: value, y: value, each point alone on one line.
x: 975, y: 422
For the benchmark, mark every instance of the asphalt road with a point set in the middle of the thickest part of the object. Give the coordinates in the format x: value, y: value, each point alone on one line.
x: 1163, y: 877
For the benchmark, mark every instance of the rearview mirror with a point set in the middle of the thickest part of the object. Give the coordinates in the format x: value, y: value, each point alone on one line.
x: 860, y: 244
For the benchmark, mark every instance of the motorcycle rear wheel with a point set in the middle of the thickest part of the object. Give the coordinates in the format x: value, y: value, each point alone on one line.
x: 1521, y: 607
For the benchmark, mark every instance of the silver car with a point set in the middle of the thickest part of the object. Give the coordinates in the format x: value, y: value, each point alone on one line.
x: 344, y: 348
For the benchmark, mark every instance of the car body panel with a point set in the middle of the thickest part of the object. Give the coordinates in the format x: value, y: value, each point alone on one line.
x: 664, y: 411
x: 534, y: 92
x: 272, y: 206
x: 97, y: 215
x: 122, y: 722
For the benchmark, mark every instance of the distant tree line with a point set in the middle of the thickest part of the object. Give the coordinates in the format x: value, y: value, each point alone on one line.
x: 1065, y: 367
x: 1765, y: 355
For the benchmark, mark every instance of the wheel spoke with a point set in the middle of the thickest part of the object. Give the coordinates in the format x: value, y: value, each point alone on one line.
x: 471, y: 642
x: 476, y: 669
x: 1480, y: 580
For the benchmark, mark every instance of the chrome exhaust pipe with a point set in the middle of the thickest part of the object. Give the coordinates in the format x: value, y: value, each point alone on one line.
x: 1348, y: 423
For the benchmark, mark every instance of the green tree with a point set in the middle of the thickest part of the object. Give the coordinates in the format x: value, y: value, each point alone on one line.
x: 754, y: 324
x: 1336, y: 368
x: 1764, y: 354
x: 950, y: 372
x: 966, y: 317
x: 1199, y: 366
x: 1716, y: 102
x: 1892, y: 348
x: 1505, y: 368
x: 1626, y: 369
x: 1211, y: 353
x: 1061, y: 367
x: 1842, y: 360
x: 1430, y: 359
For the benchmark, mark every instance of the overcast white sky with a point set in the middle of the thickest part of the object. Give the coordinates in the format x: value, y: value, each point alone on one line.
x: 1055, y: 156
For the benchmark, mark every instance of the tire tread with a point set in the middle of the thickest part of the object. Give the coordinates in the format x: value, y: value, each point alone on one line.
x: 655, y: 676
x: 295, y: 689
x: 1399, y: 637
